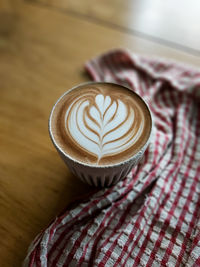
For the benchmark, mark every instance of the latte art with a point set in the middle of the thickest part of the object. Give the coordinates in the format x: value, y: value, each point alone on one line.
x: 104, y: 127
x: 100, y: 124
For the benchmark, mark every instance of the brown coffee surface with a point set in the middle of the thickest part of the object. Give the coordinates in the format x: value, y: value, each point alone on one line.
x: 100, y: 123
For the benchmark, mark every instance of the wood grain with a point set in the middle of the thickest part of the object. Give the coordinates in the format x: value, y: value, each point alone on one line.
x: 173, y: 23
x: 42, y: 55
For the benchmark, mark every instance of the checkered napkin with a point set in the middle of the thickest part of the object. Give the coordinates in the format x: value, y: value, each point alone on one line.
x: 152, y: 218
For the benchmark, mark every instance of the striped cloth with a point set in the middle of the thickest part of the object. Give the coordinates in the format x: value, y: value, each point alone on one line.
x: 152, y: 218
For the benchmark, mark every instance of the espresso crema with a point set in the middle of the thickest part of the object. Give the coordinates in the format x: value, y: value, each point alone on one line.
x: 100, y: 123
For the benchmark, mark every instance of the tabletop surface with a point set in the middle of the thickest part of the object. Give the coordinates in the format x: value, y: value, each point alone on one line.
x: 43, y: 47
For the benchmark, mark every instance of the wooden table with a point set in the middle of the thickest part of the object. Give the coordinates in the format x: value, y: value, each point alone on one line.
x: 42, y: 51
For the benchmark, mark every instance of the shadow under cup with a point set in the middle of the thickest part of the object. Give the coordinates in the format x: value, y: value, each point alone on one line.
x: 109, y: 173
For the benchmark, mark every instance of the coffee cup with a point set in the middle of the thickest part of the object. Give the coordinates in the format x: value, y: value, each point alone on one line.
x: 101, y: 131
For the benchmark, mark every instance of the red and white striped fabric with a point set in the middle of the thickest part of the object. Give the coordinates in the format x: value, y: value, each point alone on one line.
x: 152, y: 218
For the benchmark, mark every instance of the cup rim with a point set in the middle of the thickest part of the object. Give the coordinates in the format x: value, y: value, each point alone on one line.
x: 93, y: 165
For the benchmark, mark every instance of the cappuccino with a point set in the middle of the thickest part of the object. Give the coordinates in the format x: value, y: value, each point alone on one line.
x: 100, y: 124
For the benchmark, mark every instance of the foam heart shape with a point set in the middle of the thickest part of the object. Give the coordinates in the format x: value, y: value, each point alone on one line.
x: 105, y: 127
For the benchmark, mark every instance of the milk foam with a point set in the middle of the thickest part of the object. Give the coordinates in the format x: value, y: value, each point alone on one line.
x: 100, y: 124
x: 104, y: 127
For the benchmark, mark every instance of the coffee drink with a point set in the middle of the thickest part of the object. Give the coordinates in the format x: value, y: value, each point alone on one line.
x: 100, y: 124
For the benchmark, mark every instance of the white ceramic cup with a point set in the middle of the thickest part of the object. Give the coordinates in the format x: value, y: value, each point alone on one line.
x: 102, y: 176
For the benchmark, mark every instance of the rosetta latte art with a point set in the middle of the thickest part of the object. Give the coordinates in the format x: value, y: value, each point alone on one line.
x: 104, y: 125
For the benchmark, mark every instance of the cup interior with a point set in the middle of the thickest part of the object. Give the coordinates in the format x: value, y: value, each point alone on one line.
x: 67, y: 155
